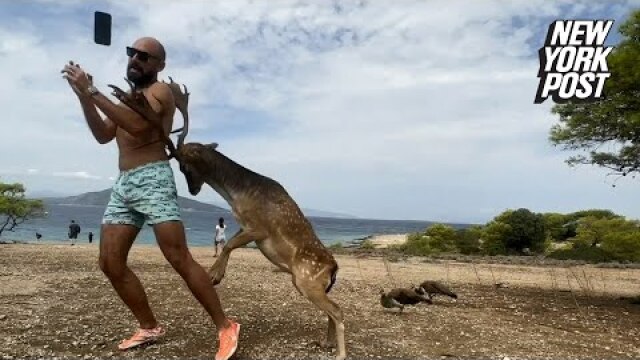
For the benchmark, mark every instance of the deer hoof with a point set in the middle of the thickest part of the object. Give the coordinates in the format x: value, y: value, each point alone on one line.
x: 215, y: 276
x: 324, y: 344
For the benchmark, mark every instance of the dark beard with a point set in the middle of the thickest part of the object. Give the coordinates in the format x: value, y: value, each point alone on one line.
x: 140, y: 80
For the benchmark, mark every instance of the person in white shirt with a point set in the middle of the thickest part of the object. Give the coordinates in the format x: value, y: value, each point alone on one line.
x: 219, y: 239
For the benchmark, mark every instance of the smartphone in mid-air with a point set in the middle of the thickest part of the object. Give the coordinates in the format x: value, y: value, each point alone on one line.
x: 102, y: 28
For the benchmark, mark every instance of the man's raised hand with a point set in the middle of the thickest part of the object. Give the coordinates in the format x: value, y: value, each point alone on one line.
x: 77, y: 78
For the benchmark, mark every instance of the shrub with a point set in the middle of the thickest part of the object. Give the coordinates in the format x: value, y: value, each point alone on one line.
x: 589, y: 254
x: 367, y: 245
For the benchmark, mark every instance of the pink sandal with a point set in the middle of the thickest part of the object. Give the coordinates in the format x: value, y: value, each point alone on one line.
x: 141, y: 337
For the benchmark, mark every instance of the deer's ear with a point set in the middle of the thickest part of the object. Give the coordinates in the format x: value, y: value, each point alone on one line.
x: 212, y: 146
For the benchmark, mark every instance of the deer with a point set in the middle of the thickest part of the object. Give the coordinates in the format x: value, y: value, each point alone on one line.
x: 268, y: 216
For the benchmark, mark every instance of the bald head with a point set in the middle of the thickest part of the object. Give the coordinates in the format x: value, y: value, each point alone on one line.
x: 146, y: 60
x: 152, y: 46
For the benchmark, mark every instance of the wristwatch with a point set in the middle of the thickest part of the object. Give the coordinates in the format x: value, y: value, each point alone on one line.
x: 92, y: 90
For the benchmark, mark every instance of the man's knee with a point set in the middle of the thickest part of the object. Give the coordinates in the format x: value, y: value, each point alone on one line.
x: 179, y: 258
x: 114, y: 269
x: 171, y: 239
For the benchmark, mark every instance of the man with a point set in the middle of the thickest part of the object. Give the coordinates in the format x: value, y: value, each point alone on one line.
x: 144, y: 190
x: 74, y: 230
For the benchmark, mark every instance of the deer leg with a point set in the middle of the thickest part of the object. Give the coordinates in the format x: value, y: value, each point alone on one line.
x: 331, y: 333
x: 330, y: 342
x: 239, y: 239
x: 315, y: 292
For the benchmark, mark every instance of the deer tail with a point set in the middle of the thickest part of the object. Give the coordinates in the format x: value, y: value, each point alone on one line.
x: 334, y: 274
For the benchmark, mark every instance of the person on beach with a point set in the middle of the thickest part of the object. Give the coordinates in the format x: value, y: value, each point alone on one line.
x: 145, y: 190
x: 74, y: 230
x: 90, y: 237
x: 219, y: 238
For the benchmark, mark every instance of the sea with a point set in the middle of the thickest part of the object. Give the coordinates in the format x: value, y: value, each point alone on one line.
x: 200, y: 226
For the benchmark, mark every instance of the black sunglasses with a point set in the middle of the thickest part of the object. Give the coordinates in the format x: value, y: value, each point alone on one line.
x: 142, y: 55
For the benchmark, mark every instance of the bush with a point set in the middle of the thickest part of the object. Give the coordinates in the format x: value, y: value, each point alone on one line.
x: 367, y: 245
x: 435, y: 239
x: 468, y: 240
x: 603, y: 239
x: 336, y: 245
x: 589, y: 254
x: 416, y: 244
x: 493, y: 235
x: 441, y: 238
x: 623, y: 246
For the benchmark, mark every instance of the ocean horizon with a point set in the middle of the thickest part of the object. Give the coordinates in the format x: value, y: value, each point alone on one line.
x: 199, y: 226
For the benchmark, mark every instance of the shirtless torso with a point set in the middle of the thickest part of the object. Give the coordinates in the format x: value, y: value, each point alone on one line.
x: 147, y: 146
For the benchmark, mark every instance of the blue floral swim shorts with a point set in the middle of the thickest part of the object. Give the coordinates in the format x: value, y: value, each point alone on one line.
x: 146, y: 193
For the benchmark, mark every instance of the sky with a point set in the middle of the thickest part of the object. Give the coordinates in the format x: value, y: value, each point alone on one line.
x: 416, y: 110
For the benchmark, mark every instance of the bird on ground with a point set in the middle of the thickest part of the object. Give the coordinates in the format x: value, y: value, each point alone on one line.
x: 432, y: 288
x: 399, y: 297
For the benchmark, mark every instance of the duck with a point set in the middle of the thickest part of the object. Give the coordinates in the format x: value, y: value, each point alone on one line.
x: 432, y: 288
x: 399, y: 297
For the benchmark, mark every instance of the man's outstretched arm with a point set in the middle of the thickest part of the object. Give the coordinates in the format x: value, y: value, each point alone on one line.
x: 103, y: 130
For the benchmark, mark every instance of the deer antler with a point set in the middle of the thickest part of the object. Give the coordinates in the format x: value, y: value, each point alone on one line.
x: 137, y: 102
x: 181, y: 99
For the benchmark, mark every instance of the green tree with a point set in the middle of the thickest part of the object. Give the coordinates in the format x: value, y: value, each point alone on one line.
x: 607, y: 132
x: 524, y: 229
x: 468, y: 240
x: 592, y: 231
x: 556, y: 226
x: 441, y: 238
x: 597, y: 213
x: 493, y: 237
x: 15, y: 208
x: 434, y: 239
x: 623, y: 246
x: 561, y: 227
x: 416, y: 244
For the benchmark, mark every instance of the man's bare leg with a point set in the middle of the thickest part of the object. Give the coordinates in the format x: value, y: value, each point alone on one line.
x: 115, y: 243
x: 172, y: 241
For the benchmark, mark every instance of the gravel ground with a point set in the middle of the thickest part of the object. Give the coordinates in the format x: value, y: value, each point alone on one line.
x: 55, y: 302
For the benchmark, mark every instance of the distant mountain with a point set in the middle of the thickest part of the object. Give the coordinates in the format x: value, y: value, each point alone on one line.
x: 327, y: 214
x: 101, y: 198
x: 41, y: 194
x: 310, y: 212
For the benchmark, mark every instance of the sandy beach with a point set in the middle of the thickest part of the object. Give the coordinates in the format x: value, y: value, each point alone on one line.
x: 55, y: 302
x: 384, y: 241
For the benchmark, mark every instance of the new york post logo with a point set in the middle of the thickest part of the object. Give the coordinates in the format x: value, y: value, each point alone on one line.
x: 573, y: 61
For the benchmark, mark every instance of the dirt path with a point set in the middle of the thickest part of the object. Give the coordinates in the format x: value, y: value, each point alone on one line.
x: 54, y: 302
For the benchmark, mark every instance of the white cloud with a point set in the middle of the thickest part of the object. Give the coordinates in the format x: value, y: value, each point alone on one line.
x: 404, y: 109
x: 76, y: 174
